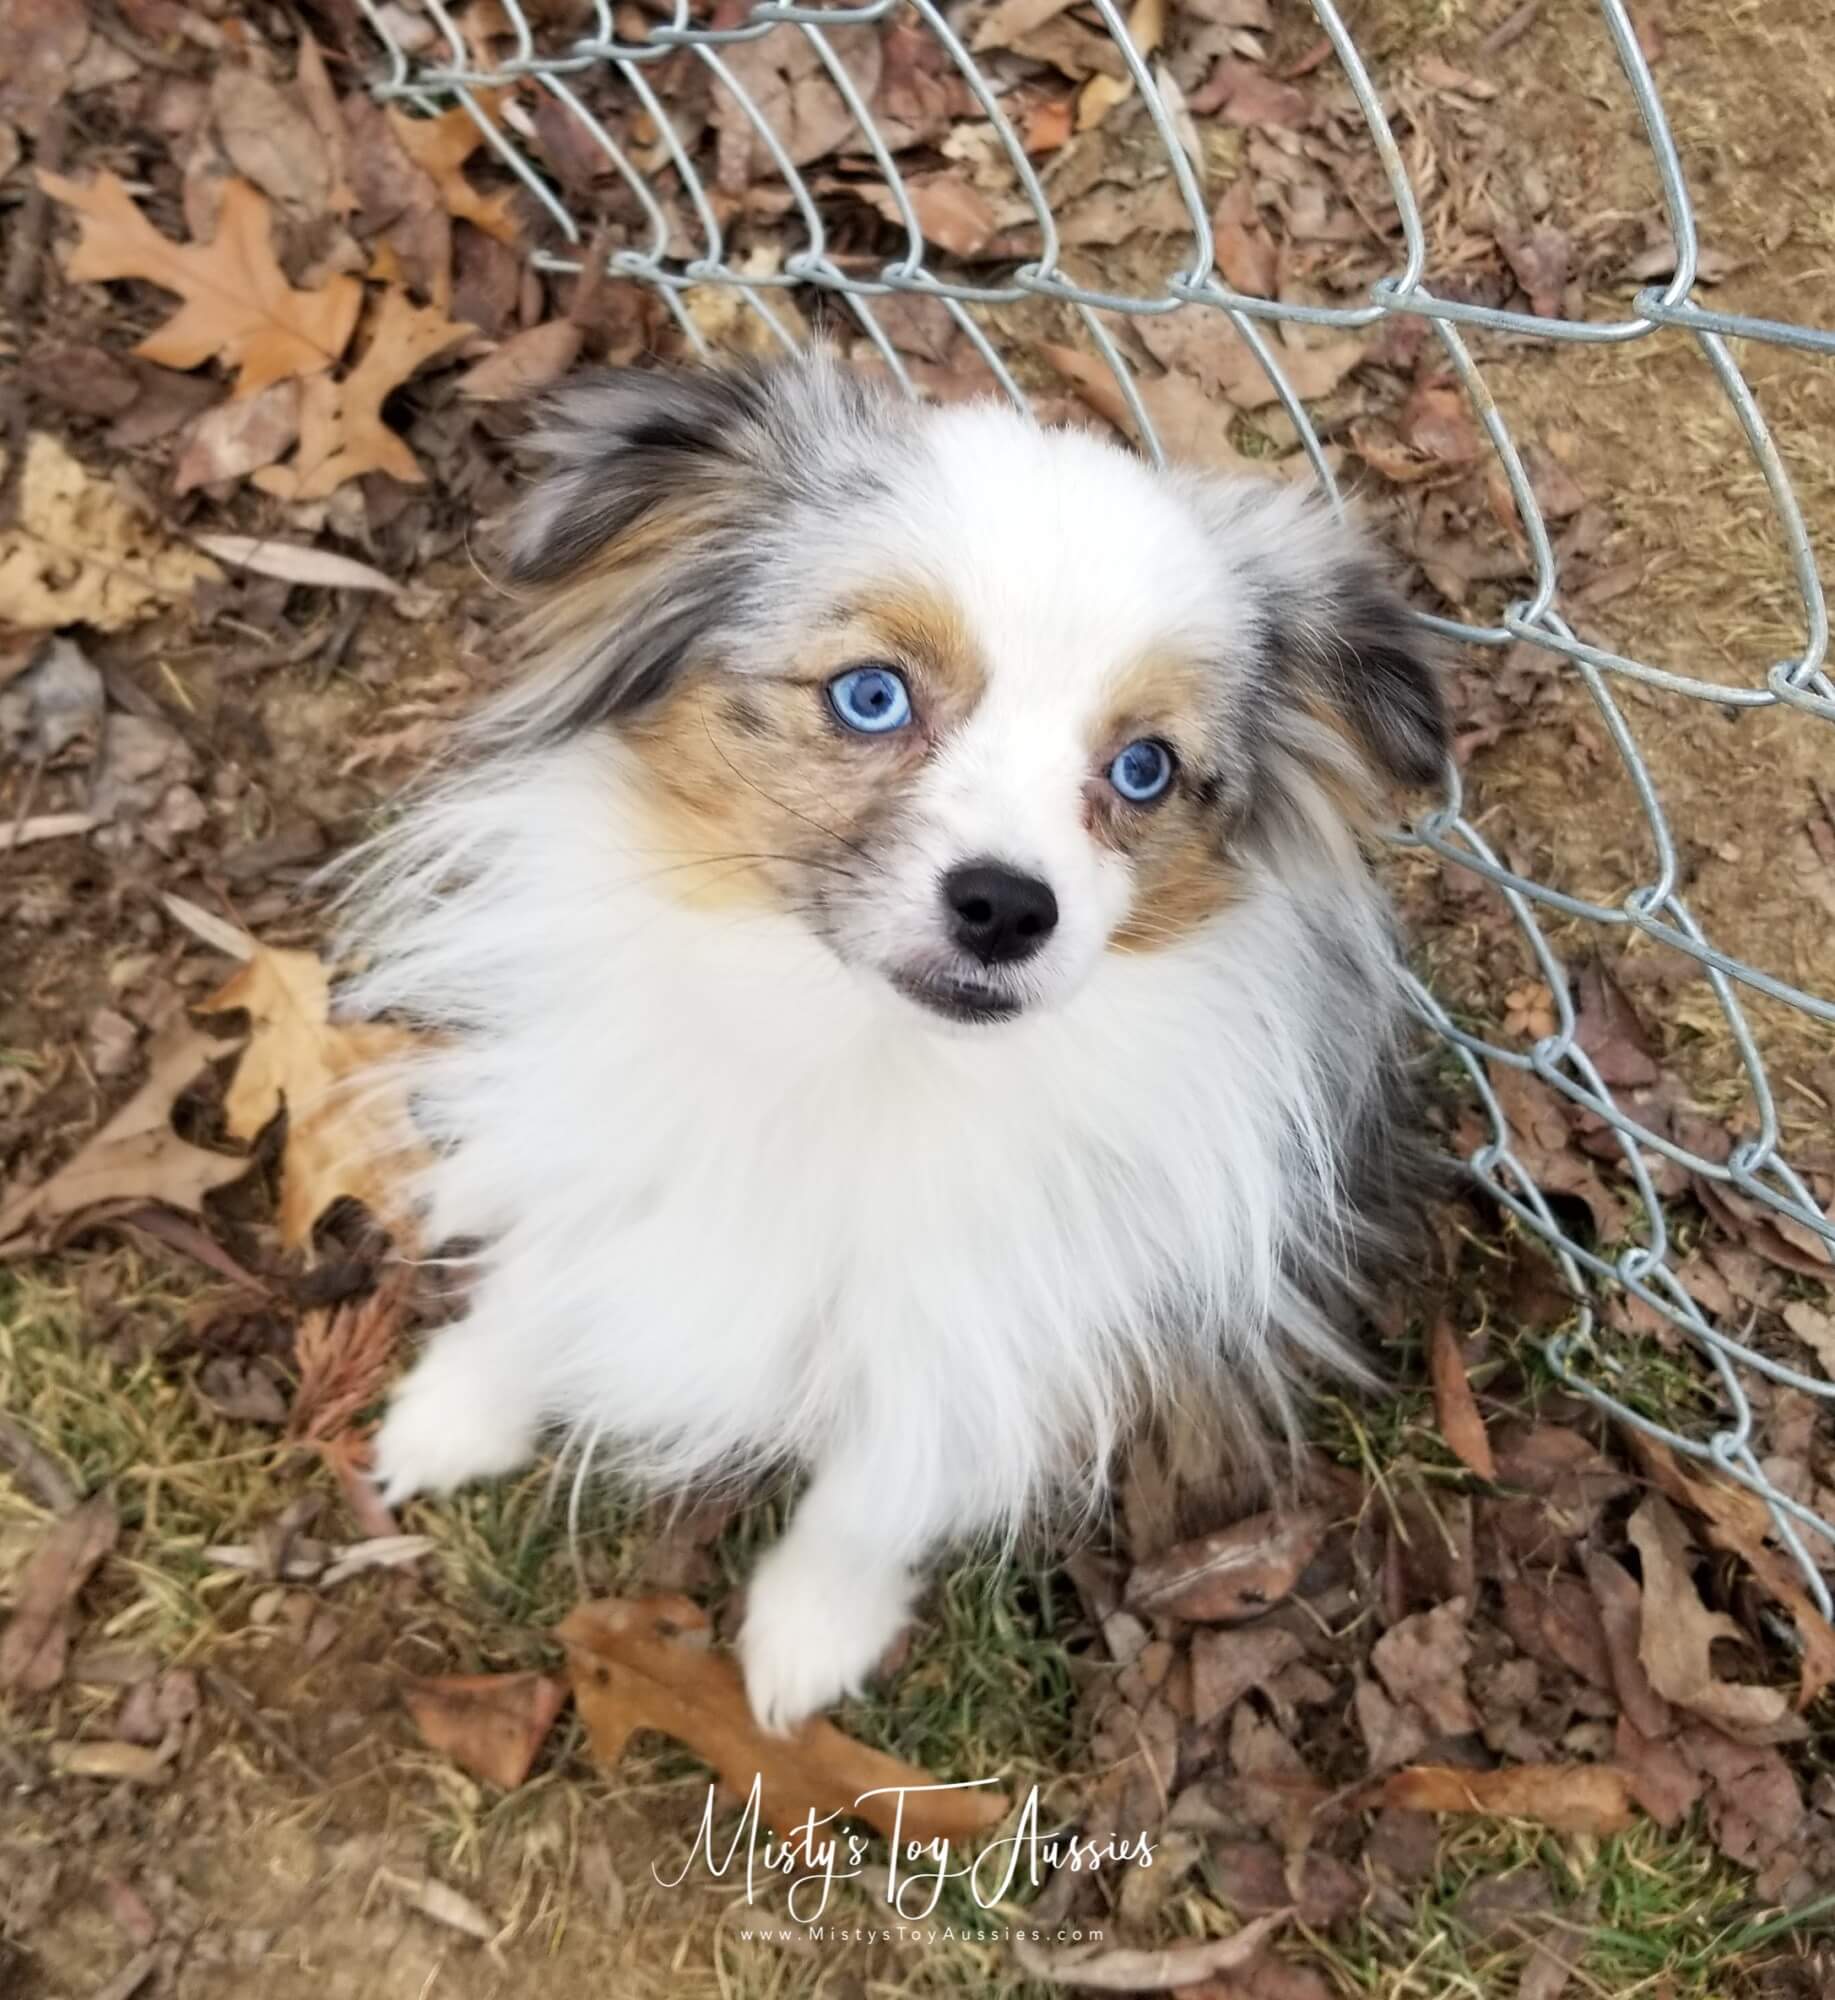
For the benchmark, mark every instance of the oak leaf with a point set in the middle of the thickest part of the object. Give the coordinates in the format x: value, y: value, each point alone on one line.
x: 348, y: 1129
x: 1678, y: 1632
x: 1738, y: 1520
x: 646, y: 1664
x: 136, y: 1157
x: 440, y: 147
x: 238, y: 305
x: 341, y: 431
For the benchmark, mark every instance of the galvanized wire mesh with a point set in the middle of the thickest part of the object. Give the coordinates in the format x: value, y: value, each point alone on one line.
x: 451, y: 70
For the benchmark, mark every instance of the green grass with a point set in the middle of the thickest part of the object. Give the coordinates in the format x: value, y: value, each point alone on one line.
x: 1673, y: 1920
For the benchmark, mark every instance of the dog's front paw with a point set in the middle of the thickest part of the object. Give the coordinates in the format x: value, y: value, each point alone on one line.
x: 450, y: 1423
x: 814, y: 1629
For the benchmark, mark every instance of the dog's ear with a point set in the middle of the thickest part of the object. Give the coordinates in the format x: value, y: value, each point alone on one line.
x: 639, y: 541
x: 1337, y: 644
x: 1344, y: 637
x: 624, y: 445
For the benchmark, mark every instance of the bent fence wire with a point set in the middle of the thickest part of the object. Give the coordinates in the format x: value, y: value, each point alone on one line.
x: 660, y: 174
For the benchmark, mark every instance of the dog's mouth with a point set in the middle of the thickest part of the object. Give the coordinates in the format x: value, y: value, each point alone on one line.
x: 954, y: 999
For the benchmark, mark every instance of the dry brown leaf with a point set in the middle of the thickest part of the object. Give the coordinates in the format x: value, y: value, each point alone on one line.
x: 1607, y: 1027
x: 347, y: 1131
x: 440, y: 147
x: 41, y: 45
x: 136, y: 1156
x: 1243, y: 93
x: 1246, y: 253
x: 1422, y: 1662
x: 1571, y: 1798
x: 342, y: 434
x: 1457, y: 1408
x: 1099, y: 1968
x: 270, y: 140
x: 238, y: 306
x: 1207, y: 348
x: 1190, y: 427
x: 1542, y: 1139
x: 1539, y: 258
x: 1739, y: 1521
x: 647, y: 1664
x: 796, y: 98
x: 1009, y: 21
x: 238, y: 437
x: 1620, y: 1601
x: 130, y: 1763
x: 1437, y: 424
x: 950, y: 211
x: 321, y: 102
x: 525, y: 362
x: 1226, y: 1664
x: 1236, y: 1573
x: 492, y: 1725
x: 1100, y: 96
x: 1677, y: 1635
x: 36, y: 1641
x: 81, y: 553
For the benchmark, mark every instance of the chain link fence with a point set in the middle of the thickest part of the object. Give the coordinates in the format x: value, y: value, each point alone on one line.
x: 678, y: 244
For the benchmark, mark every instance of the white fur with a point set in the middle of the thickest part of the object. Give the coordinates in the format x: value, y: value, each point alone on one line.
x: 738, y: 1204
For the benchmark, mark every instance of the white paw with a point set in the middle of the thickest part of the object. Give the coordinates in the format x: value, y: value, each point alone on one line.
x: 815, y: 1627
x: 449, y: 1422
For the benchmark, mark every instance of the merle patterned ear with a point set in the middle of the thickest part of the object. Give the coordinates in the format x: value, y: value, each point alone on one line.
x: 642, y: 541
x: 1357, y: 650
x: 626, y: 443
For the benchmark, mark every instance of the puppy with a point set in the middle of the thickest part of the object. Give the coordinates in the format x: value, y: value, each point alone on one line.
x: 907, y: 986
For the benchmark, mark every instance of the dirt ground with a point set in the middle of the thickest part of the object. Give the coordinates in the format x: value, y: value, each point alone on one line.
x: 282, y: 1822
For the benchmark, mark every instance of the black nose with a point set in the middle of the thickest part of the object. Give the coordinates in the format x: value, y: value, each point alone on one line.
x: 998, y: 915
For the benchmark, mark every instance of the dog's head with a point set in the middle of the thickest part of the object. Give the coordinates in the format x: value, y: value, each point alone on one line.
x: 977, y: 702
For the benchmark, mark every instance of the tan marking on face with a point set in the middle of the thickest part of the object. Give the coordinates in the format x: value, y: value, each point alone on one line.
x: 1182, y: 875
x: 755, y: 792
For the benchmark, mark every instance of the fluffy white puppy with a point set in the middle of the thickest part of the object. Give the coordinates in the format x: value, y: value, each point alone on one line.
x: 907, y: 985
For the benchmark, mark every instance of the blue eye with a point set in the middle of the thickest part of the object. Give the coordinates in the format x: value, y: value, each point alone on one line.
x: 1142, y: 771
x: 873, y: 700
